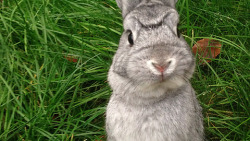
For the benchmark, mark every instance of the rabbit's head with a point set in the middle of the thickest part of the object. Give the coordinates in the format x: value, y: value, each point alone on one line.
x: 129, y: 5
x: 150, y: 53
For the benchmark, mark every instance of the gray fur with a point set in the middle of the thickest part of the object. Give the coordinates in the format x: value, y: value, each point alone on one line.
x: 145, y: 105
x: 129, y: 5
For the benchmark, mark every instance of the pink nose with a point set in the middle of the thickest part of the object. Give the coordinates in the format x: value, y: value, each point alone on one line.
x: 160, y: 68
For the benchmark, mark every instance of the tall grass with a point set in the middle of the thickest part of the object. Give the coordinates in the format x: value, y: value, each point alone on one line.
x: 55, y: 55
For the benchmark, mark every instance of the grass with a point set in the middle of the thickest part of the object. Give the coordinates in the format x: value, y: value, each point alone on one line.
x: 46, y: 94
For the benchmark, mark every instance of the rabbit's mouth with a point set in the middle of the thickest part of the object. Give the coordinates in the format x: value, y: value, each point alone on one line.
x: 159, y: 88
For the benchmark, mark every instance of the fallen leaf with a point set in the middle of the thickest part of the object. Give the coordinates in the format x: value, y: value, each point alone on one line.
x: 55, y: 116
x: 71, y: 59
x: 206, y: 49
x: 101, y: 137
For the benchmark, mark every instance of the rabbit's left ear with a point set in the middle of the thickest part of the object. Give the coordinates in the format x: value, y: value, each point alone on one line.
x: 127, y: 5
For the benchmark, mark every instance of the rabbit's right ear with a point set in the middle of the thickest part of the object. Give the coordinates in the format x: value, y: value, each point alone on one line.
x: 127, y: 5
x: 172, y: 21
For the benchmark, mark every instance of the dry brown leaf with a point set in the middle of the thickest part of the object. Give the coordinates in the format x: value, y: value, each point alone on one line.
x: 207, y: 49
x: 70, y: 58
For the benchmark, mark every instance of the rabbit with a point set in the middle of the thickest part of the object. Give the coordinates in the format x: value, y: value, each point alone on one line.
x: 152, y: 98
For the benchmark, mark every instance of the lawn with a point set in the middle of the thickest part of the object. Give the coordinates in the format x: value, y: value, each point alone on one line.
x: 55, y: 55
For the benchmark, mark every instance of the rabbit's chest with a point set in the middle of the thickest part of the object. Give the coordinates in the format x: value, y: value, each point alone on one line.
x: 147, y: 123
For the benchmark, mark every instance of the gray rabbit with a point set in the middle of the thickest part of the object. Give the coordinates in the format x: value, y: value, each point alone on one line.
x: 152, y: 97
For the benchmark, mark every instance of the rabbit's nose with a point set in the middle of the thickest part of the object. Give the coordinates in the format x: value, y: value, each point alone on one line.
x: 160, y: 67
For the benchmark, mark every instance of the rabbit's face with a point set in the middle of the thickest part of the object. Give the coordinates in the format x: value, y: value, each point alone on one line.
x: 150, y: 51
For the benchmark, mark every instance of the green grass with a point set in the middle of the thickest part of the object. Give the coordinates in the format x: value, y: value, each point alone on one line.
x: 43, y: 96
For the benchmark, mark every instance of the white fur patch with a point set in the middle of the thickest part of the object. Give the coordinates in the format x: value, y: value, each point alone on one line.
x: 152, y: 68
x: 172, y: 66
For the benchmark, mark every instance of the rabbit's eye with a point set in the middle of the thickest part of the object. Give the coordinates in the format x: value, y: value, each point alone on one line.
x: 130, y: 38
x: 178, y: 33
